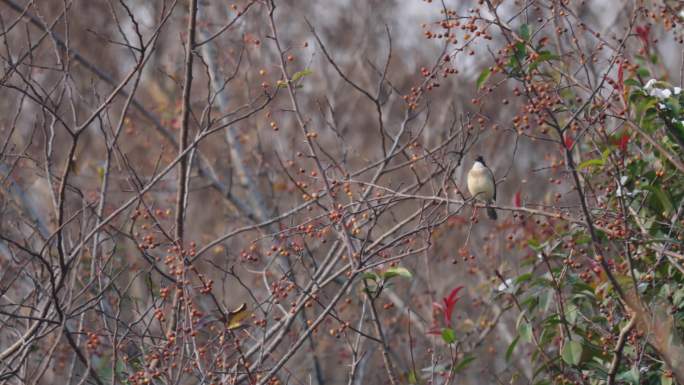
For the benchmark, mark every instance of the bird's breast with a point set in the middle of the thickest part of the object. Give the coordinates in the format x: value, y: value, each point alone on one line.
x: 480, y: 184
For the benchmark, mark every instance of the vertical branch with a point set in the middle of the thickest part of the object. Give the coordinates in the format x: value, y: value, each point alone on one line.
x: 185, y: 116
x: 183, y: 154
x: 381, y: 336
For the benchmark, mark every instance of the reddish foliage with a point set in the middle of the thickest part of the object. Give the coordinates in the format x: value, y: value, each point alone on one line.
x: 568, y: 141
x: 517, y: 200
x: 450, y: 303
x: 621, y: 77
x: 643, y: 33
x: 623, y: 141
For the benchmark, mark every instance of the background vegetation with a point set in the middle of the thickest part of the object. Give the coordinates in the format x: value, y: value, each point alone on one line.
x: 273, y: 192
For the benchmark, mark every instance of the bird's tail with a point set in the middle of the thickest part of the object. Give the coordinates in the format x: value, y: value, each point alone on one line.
x: 491, y: 213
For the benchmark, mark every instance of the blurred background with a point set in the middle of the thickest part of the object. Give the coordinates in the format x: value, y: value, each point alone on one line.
x: 91, y: 103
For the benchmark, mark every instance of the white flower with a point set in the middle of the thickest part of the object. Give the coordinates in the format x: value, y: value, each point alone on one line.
x: 661, y: 106
x: 681, y: 13
x: 659, y: 93
x: 503, y: 286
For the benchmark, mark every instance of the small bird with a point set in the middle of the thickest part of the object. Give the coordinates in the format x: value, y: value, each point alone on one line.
x: 481, y: 184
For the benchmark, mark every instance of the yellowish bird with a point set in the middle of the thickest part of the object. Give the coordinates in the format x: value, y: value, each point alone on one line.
x: 482, y: 185
x: 236, y: 318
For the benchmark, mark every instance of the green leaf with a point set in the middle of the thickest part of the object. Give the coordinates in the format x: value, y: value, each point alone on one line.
x: 571, y: 312
x: 465, y: 361
x: 484, y: 75
x: 643, y: 72
x: 591, y: 163
x: 412, y: 377
x: 371, y: 276
x: 511, y: 348
x: 523, y: 278
x: 572, y: 352
x: 546, y: 55
x: 301, y: 74
x: 525, y: 332
x: 520, y: 51
x: 525, y: 32
x: 631, y: 376
x: 678, y: 297
x: 662, y: 197
x: 547, y: 298
x: 530, y: 304
x: 534, y: 244
x: 448, y: 335
x: 632, y: 82
x: 396, y: 271
x: 521, y: 319
x: 665, y: 380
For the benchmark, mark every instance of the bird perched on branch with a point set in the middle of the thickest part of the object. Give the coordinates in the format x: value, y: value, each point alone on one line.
x: 482, y: 185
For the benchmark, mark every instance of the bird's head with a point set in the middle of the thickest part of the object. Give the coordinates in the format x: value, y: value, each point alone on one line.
x: 480, y: 159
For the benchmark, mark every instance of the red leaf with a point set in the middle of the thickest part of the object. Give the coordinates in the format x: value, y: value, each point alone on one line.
x: 623, y: 141
x: 454, y: 292
x: 621, y: 77
x: 517, y: 200
x: 450, y: 303
x: 568, y: 141
x: 613, y: 83
x: 643, y: 33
